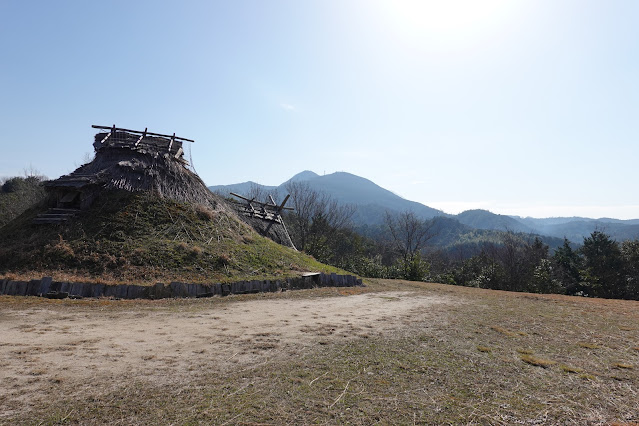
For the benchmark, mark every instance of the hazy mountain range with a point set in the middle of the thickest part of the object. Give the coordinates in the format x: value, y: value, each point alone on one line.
x: 372, y: 201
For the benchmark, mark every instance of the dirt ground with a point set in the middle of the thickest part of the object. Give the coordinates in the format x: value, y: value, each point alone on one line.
x: 93, y: 346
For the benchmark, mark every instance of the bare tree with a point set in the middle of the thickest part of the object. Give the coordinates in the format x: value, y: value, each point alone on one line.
x: 259, y: 193
x: 256, y: 192
x: 315, y: 212
x: 409, y: 233
x: 33, y: 173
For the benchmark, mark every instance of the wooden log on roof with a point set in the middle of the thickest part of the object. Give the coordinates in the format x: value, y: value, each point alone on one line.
x: 142, y: 136
x: 113, y: 129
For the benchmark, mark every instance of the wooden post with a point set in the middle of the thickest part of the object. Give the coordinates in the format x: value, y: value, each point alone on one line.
x: 112, y: 132
x: 142, y: 136
x: 171, y: 143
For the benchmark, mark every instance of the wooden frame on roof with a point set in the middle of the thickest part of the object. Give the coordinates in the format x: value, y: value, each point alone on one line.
x: 114, y: 129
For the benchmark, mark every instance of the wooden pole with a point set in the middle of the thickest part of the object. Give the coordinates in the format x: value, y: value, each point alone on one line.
x: 259, y: 202
x: 277, y: 215
x: 113, y: 129
x: 142, y: 137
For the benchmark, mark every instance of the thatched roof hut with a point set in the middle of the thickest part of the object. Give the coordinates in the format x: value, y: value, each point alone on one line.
x: 132, y: 161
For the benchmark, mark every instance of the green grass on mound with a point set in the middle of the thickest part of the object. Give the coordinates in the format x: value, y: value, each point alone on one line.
x: 138, y: 237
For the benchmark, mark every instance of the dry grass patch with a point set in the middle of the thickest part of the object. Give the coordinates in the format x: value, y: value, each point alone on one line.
x: 537, y: 362
x: 586, y: 376
x: 435, y: 364
x: 623, y: 366
x: 503, y: 331
x: 569, y: 369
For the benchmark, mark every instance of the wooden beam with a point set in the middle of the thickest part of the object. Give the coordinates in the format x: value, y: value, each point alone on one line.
x: 281, y: 207
x: 105, y: 138
x: 113, y: 129
x: 260, y: 203
x: 112, y: 132
x: 142, y: 137
x: 277, y: 216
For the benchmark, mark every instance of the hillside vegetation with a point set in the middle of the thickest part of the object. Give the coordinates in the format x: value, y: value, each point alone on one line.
x: 142, y: 238
x: 18, y: 194
x: 444, y: 250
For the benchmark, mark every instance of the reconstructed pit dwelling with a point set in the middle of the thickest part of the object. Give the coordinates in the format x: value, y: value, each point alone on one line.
x: 133, y: 160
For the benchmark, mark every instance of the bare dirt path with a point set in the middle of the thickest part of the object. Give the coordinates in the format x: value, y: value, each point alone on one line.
x: 92, y: 347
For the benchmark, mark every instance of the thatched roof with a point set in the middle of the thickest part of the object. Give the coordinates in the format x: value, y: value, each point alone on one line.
x: 129, y: 162
x: 137, y: 161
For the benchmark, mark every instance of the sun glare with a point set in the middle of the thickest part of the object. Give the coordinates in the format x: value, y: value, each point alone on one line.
x: 446, y: 21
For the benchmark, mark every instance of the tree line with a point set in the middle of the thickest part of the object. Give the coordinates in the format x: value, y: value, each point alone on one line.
x: 401, y: 249
x: 599, y: 267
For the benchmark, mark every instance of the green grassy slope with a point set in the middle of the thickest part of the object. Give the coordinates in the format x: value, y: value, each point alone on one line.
x: 128, y: 237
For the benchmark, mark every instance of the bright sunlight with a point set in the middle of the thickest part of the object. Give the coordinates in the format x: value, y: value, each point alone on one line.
x: 447, y: 23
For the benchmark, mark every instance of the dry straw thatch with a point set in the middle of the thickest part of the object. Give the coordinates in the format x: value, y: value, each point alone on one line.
x: 125, y: 161
x: 136, y: 161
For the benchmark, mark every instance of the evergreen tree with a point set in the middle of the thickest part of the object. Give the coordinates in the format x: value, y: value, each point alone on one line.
x: 567, y: 264
x: 630, y: 253
x: 604, y: 266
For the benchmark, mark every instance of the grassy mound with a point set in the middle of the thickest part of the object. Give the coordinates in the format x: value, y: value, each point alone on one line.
x: 138, y: 237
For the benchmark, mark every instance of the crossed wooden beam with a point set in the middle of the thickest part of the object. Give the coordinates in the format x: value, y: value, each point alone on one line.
x: 273, y: 205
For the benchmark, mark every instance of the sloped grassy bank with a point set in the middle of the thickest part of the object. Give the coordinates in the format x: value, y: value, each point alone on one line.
x: 138, y: 237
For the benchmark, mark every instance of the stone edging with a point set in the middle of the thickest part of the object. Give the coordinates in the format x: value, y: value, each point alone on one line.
x: 46, y: 287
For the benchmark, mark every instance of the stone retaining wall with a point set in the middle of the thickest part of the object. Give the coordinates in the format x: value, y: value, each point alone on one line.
x: 46, y: 287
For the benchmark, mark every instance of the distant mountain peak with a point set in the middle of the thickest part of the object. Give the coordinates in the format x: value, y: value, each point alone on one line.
x: 303, y: 176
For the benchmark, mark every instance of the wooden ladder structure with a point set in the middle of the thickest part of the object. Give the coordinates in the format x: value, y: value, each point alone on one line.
x: 270, y: 212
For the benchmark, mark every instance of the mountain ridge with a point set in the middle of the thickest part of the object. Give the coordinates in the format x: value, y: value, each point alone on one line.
x: 370, y: 199
x: 373, y: 201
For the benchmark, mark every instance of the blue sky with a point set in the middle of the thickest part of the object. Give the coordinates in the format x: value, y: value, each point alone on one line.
x: 519, y: 107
